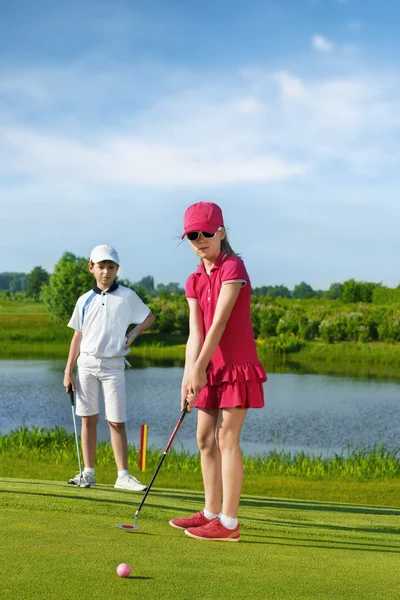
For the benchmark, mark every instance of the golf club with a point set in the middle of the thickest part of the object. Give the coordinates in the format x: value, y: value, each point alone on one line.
x: 82, y: 483
x: 135, y: 526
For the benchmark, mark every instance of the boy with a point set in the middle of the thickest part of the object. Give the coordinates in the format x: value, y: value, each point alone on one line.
x: 100, y: 320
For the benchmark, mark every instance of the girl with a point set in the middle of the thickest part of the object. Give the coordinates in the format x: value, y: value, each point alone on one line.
x: 223, y: 376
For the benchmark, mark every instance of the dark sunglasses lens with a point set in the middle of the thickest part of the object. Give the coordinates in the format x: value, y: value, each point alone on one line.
x: 207, y: 235
x: 192, y: 235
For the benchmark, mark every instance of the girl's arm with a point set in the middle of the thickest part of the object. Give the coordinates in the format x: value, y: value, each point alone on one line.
x: 74, y: 351
x: 149, y: 320
x: 193, y: 347
x: 226, y: 301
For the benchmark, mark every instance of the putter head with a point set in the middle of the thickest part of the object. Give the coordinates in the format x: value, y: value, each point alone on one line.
x: 128, y: 527
x: 84, y: 485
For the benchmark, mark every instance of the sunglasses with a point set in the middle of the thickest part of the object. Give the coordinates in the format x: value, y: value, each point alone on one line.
x: 194, y: 235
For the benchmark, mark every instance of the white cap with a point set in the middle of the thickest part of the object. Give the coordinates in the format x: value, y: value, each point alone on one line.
x: 104, y: 252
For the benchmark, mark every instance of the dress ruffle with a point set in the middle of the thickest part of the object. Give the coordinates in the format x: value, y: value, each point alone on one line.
x: 236, y: 373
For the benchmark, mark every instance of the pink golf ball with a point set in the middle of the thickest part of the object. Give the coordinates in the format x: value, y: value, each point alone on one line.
x: 123, y: 570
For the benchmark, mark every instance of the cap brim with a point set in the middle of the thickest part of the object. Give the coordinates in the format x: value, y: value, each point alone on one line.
x: 101, y: 258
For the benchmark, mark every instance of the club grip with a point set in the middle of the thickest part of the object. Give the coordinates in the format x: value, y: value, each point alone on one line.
x: 71, y: 395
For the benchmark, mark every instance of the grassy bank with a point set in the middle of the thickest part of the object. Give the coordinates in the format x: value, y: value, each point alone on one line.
x: 62, y: 544
x: 27, y: 332
x: 371, y: 476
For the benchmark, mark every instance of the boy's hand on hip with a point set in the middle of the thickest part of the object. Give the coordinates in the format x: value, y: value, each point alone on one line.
x: 129, y: 340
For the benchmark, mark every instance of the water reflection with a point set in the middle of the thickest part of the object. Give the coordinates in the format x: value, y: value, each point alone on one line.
x: 316, y: 413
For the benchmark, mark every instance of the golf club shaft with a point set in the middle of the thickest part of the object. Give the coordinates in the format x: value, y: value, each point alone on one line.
x: 171, y: 439
x: 71, y: 394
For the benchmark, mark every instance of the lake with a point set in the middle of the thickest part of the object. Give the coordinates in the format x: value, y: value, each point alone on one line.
x: 316, y: 413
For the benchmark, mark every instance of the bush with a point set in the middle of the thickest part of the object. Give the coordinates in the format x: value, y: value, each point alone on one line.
x: 286, y: 344
x: 384, y: 296
x: 269, y: 318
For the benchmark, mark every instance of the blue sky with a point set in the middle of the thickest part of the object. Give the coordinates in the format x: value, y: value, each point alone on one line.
x: 116, y: 115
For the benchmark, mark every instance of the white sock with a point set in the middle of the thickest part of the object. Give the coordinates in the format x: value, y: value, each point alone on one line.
x: 228, y: 522
x: 209, y: 515
x: 89, y: 470
x: 122, y: 474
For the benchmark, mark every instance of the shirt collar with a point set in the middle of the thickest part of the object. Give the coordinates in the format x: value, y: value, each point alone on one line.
x: 112, y: 288
x: 201, y: 269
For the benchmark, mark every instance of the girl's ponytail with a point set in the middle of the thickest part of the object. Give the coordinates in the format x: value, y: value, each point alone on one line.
x: 226, y: 247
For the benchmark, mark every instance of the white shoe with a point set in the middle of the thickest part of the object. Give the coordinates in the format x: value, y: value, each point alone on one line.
x: 129, y: 483
x: 87, y: 478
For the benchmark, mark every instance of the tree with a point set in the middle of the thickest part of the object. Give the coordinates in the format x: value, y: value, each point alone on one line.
x: 303, y: 290
x: 278, y: 291
x: 358, y: 291
x: 272, y: 291
x: 171, y: 288
x: 147, y: 283
x: 70, y: 279
x: 36, y: 279
x: 335, y: 291
x: 13, y: 282
x: 351, y: 292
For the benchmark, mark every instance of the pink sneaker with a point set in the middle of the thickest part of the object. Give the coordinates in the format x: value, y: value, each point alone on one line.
x: 214, y: 531
x: 194, y: 521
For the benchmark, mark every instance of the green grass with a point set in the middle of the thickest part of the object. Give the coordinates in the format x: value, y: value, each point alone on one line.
x: 61, y: 543
x: 368, y: 476
x: 350, y: 352
x: 22, y: 307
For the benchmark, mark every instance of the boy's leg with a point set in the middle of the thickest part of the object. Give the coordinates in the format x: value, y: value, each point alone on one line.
x: 113, y: 380
x: 119, y: 444
x: 112, y: 377
x: 89, y: 439
x: 87, y: 407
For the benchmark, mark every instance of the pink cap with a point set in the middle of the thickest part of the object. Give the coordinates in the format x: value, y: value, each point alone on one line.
x: 202, y: 216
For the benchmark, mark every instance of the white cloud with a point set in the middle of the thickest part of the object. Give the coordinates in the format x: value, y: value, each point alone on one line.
x: 321, y: 43
x: 249, y: 106
x: 254, y: 127
x: 291, y: 87
x: 126, y: 160
x: 289, y: 141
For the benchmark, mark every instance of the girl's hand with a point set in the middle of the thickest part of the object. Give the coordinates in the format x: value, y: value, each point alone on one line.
x: 69, y: 382
x: 185, y: 391
x: 198, y: 380
x: 190, y: 399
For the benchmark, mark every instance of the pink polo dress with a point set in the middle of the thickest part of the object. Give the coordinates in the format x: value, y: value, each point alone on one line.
x: 235, y: 375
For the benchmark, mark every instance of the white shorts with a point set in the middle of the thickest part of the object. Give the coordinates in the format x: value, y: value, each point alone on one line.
x: 107, y: 373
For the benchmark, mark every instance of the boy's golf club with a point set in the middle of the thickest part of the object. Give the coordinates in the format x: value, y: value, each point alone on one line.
x: 82, y: 483
x: 135, y: 526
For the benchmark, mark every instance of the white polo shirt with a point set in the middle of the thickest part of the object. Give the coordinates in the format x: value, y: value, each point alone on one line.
x: 104, y: 317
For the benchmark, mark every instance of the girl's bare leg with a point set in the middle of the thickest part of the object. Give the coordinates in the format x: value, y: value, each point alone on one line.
x: 210, y: 458
x: 229, y: 426
x: 89, y: 439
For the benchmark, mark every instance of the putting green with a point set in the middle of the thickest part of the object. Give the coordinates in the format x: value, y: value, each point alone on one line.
x: 59, y: 542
